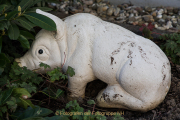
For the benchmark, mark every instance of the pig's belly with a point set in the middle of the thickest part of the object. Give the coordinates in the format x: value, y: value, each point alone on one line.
x: 137, y: 67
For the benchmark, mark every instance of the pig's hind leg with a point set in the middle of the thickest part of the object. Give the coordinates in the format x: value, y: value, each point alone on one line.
x: 115, y: 97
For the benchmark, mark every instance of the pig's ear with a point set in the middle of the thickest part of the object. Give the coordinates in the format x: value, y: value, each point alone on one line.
x: 60, y: 25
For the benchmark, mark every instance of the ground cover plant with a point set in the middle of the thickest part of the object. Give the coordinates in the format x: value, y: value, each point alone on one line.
x: 17, y: 85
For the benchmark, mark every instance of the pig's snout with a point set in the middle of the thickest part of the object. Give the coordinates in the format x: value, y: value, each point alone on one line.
x: 18, y: 61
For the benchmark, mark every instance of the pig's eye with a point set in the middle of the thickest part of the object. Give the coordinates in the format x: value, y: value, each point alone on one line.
x: 40, y: 51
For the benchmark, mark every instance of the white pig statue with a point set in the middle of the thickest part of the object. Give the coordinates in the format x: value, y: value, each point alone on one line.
x: 136, y: 70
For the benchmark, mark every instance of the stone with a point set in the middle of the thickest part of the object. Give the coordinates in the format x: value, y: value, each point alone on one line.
x: 148, y: 18
x: 102, y: 9
x: 140, y: 23
x: 93, y: 12
x: 160, y: 12
x: 110, y: 11
x: 148, y: 9
x: 88, y: 2
x: 94, y: 7
x: 169, y: 24
x: 132, y: 19
x: 131, y: 15
x: 165, y: 10
x: 175, y: 10
x: 178, y: 12
x: 161, y: 28
x: 154, y: 13
x: 159, y: 16
x: 87, y: 10
x: 51, y: 6
x: 161, y: 21
x: 98, y: 1
x: 111, y: 18
x: 116, y: 11
x: 84, y: 41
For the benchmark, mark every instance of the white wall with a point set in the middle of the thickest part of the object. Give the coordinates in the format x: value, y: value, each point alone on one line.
x: 153, y: 3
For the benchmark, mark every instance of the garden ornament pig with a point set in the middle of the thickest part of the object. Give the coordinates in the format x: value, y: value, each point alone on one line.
x: 136, y: 70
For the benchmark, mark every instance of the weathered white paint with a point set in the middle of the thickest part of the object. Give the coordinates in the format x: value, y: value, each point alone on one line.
x: 153, y: 3
x: 136, y: 70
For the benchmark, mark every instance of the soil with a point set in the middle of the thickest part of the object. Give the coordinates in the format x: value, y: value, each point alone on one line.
x: 169, y: 109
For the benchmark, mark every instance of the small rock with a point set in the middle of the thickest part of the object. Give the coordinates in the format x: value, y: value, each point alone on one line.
x: 160, y: 12
x: 111, y: 18
x: 51, y: 6
x: 161, y: 28
x: 98, y: 1
x: 177, y: 116
x: 88, y: 2
x: 87, y: 10
x: 132, y: 19
x: 165, y: 10
x: 154, y: 14
x: 135, y: 23
x: 140, y: 23
x: 94, y: 7
x: 148, y: 18
x: 161, y: 21
x: 175, y: 10
x: 93, y: 12
x: 148, y: 9
x: 159, y: 16
x: 131, y: 15
x: 169, y: 24
x: 169, y: 9
x: 116, y: 11
x: 110, y: 11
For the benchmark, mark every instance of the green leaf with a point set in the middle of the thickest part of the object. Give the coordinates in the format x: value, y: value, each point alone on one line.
x: 59, y: 92
x: 24, y: 42
x: 27, y: 34
x: 5, y: 96
x: 3, y: 60
x: 11, y: 14
x: 30, y: 113
x: 13, y: 31
x: 2, y: 7
x: 0, y: 43
x: 1, y: 70
x: 14, y: 2
x: 24, y: 4
x: 35, y: 118
x: 41, y: 21
x: 25, y: 23
x: 25, y: 103
x: 41, y: 8
x: 44, y: 65
x: 57, y: 118
x: 70, y: 71
x: 28, y: 86
x: 3, y: 109
x: 171, y: 45
x: 91, y: 102
x: 19, y: 92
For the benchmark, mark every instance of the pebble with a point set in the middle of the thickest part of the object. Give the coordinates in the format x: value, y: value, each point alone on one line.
x: 89, y: 2
x: 148, y: 18
x: 116, y: 11
x: 110, y: 11
x: 163, y: 17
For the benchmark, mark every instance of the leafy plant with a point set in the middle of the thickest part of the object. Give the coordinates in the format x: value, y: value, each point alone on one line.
x: 17, y: 19
x: 75, y: 112
x: 171, y: 46
x: 147, y: 30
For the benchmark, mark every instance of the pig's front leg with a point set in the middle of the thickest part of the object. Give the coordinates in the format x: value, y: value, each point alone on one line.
x: 77, y: 83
